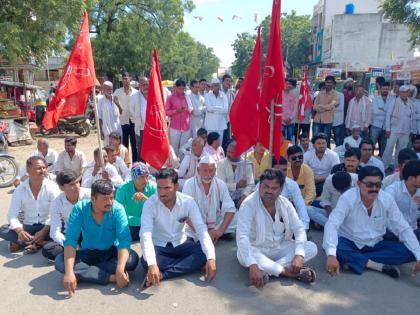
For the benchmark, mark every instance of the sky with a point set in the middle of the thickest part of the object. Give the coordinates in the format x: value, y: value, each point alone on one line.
x: 221, y: 35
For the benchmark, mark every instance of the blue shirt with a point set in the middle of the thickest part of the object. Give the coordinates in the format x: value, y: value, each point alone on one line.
x: 112, y: 231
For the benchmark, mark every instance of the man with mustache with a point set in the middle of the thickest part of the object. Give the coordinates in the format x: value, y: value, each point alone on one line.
x: 105, y: 255
x: 354, y: 232
x: 212, y: 196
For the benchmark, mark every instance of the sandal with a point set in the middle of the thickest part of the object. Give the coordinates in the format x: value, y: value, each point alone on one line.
x: 306, y: 275
x: 32, y: 249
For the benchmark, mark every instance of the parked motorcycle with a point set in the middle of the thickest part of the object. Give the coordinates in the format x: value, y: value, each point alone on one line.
x: 77, y: 124
x: 8, y: 167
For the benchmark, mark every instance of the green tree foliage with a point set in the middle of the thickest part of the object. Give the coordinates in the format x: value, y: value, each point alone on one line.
x: 404, y: 12
x: 243, y: 47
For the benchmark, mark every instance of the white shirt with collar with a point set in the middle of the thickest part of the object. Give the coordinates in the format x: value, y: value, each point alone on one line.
x: 60, y: 210
x: 323, y: 166
x: 88, y: 177
x: 34, y: 210
x: 125, y: 100
x: 138, y: 106
x: 330, y: 195
x: 160, y: 226
x: 339, y: 110
x: 109, y: 114
x: 373, y: 161
x: 216, y: 110
x: 405, y: 202
x: 350, y: 220
x: 291, y: 191
x: 78, y: 163
x: 225, y: 172
x: 51, y: 159
x: 390, y: 179
x: 122, y: 168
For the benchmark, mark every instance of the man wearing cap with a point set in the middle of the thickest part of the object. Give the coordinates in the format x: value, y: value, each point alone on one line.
x: 109, y: 111
x: 133, y: 194
x: 400, y: 122
x: 213, y: 199
x: 216, y: 110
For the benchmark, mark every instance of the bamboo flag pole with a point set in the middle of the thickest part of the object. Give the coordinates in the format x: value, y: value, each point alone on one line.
x: 270, y: 164
x: 98, y: 127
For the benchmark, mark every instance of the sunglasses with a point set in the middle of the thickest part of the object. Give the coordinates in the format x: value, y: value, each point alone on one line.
x: 371, y: 185
x: 297, y: 157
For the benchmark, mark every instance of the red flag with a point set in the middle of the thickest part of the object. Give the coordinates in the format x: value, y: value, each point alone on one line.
x: 244, y: 108
x: 76, y: 83
x: 273, y: 85
x: 155, y: 146
x: 305, y: 100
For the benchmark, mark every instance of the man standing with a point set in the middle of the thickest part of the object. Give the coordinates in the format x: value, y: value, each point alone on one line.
x: 354, y: 232
x: 270, y: 237
x: 400, y: 122
x: 348, y: 92
x: 109, y: 111
x: 105, y: 255
x: 202, y: 88
x: 324, y: 108
x: 290, y: 108
x: 359, y: 112
x: 138, y: 106
x: 213, y: 199
x: 338, y: 122
x: 380, y: 106
x: 127, y: 117
x: 217, y: 108
x: 199, y: 108
x: 167, y: 250
x: 366, y: 156
x: 178, y: 109
x: 70, y: 158
x: 404, y: 156
x: 230, y: 96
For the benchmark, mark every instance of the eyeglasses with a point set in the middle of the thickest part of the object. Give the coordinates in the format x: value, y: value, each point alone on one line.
x: 297, y: 157
x: 371, y: 185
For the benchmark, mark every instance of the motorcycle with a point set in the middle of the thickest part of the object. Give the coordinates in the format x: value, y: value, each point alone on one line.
x: 78, y: 124
x: 8, y: 167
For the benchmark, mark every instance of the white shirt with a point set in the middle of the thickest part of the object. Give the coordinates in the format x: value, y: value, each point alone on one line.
x: 88, y: 179
x: 350, y: 219
x: 291, y: 191
x: 138, y: 106
x: 379, y: 109
x: 373, y: 161
x: 330, y: 195
x: 216, y: 111
x: 188, y: 166
x: 390, y: 179
x: 51, y: 159
x: 230, y: 96
x: 323, y: 166
x: 160, y: 225
x: 405, y: 202
x: 226, y: 173
x: 124, y: 100
x: 109, y: 115
x: 416, y: 104
x: 34, y: 210
x: 401, y: 117
x: 199, y: 105
x: 122, y: 168
x: 339, y: 110
x: 78, y: 163
x: 351, y: 142
x: 60, y: 210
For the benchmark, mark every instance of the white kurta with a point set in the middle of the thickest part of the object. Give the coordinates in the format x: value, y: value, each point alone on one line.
x: 110, y: 116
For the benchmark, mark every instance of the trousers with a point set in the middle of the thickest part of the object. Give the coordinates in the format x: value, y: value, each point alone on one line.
x: 129, y: 136
x: 10, y: 235
x: 178, y: 139
x: 395, y: 139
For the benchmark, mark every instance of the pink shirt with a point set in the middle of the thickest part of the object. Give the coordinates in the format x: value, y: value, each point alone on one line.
x: 290, y: 102
x: 179, y: 121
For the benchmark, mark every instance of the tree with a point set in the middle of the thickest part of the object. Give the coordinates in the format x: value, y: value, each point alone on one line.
x: 404, y: 12
x: 243, y: 47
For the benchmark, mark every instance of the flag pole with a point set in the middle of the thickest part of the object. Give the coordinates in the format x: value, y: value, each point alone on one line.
x: 270, y: 164
x: 98, y: 128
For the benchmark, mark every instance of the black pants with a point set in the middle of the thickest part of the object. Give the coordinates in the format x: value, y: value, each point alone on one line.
x: 128, y: 135
x: 135, y: 233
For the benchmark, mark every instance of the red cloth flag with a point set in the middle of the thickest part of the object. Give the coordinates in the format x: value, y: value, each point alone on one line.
x: 273, y: 85
x: 245, y: 106
x: 155, y: 146
x: 305, y: 100
x: 76, y: 83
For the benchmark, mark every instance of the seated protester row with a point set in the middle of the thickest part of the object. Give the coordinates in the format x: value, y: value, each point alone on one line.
x: 366, y: 156
x: 213, y: 147
x: 105, y: 255
x: 201, y: 133
x: 354, y: 140
x: 60, y: 210
x: 168, y: 252
x: 237, y: 174
x: 304, y: 142
x: 133, y: 194
x: 350, y: 163
x: 95, y: 171
x: 118, y: 163
x: 321, y: 160
x: 291, y: 191
x: 354, y: 232
x: 120, y: 149
x: 335, y: 185
x: 213, y: 199
x: 271, y: 239
x: 189, y: 163
x: 71, y: 158
x: 301, y: 173
x: 259, y: 157
x: 31, y: 200
x: 406, y: 193
x: 404, y: 156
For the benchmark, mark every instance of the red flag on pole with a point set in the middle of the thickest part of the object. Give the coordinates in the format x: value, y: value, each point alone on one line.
x: 76, y: 83
x: 155, y: 146
x: 273, y: 85
x: 305, y: 100
x: 244, y: 108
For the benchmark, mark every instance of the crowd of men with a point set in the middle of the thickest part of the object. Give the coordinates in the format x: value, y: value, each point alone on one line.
x: 85, y: 216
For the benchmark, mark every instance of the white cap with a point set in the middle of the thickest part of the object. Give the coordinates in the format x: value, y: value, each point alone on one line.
x: 207, y: 159
x: 215, y: 81
x: 108, y: 83
x: 404, y: 88
x: 355, y: 126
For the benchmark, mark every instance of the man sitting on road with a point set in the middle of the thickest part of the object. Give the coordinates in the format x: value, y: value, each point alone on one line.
x: 71, y: 158
x: 366, y: 156
x: 271, y: 238
x: 350, y: 164
x: 404, y: 156
x: 105, y: 255
x: 189, y: 163
x: 115, y: 160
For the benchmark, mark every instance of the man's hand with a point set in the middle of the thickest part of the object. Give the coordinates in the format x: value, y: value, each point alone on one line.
x: 256, y: 276
x: 297, y: 263
x: 210, y: 270
x: 215, y: 234
x: 122, y: 278
x: 105, y: 175
x: 70, y: 283
x: 328, y: 210
x: 153, y: 274
x: 24, y: 236
x: 39, y: 237
x: 388, y: 134
x: 333, y: 266
x: 416, y: 268
x: 241, y: 184
x: 241, y: 200
x: 139, y: 196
